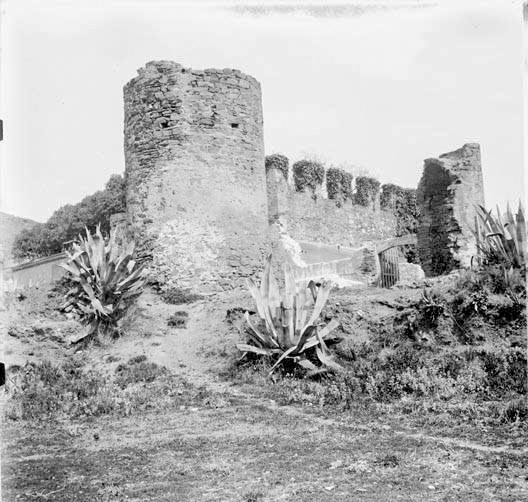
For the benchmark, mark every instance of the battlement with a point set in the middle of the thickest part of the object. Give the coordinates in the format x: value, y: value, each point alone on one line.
x: 312, y: 203
x: 205, y: 206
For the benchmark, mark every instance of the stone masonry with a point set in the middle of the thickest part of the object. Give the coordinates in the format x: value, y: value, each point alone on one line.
x: 204, y: 207
x: 195, y: 177
x: 448, y: 192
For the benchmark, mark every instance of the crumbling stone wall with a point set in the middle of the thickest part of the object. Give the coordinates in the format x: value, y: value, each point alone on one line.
x: 195, y: 177
x: 450, y: 187
x: 306, y: 212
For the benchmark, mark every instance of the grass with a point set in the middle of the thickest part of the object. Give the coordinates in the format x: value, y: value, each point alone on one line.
x: 241, y: 452
x: 45, y: 391
x: 457, y: 352
x: 178, y: 296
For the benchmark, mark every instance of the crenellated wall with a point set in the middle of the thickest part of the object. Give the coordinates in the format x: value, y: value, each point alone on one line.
x: 314, y: 205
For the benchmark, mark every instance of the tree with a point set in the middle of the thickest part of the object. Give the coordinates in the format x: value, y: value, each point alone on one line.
x: 67, y: 222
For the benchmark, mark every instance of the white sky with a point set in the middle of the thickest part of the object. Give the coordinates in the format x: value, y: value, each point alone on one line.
x: 381, y: 89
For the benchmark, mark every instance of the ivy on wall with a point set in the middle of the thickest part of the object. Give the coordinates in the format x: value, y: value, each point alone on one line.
x: 338, y: 185
x: 278, y: 161
x: 402, y: 203
x: 307, y: 174
x: 367, y: 189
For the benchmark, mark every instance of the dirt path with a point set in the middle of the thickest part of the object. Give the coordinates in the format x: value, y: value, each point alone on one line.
x: 232, y: 445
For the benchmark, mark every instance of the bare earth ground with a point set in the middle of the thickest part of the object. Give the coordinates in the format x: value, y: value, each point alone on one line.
x: 234, y: 444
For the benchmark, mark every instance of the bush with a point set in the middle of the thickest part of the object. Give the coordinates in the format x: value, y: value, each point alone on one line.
x: 106, y: 279
x: 67, y: 222
x: 339, y: 185
x: 137, y: 370
x: 177, y: 296
x: 502, y: 243
x: 402, y: 203
x: 278, y: 161
x: 46, y: 391
x: 515, y: 410
x: 307, y: 175
x: 367, y: 190
x: 289, y: 330
x: 178, y: 319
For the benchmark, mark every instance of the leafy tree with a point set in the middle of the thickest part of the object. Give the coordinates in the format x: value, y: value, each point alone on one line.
x: 67, y: 222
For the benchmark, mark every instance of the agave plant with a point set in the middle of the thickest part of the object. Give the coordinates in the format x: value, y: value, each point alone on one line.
x: 105, y: 277
x: 502, y: 241
x: 290, y: 327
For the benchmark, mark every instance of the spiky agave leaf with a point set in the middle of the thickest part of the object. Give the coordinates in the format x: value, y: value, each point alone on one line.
x: 290, y: 320
x: 499, y: 241
x: 106, y: 278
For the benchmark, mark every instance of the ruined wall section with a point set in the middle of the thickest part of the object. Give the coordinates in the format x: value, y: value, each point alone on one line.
x: 450, y: 188
x: 195, y: 178
x: 308, y: 211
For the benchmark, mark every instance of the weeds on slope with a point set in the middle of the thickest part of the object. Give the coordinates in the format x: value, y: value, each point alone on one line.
x: 459, y: 351
x: 71, y: 390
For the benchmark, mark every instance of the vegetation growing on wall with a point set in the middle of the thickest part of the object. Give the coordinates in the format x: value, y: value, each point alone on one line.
x: 402, y: 203
x: 307, y: 174
x: 278, y: 161
x: 69, y: 221
x: 338, y: 185
x: 367, y: 189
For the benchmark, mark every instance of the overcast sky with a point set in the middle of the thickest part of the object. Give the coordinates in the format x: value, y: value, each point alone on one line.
x: 380, y: 88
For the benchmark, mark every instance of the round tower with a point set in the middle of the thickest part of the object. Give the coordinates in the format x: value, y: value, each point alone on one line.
x: 195, y: 177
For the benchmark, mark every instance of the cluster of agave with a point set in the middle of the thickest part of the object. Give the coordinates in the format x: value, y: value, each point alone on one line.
x: 105, y: 277
x: 290, y: 328
x: 502, y: 240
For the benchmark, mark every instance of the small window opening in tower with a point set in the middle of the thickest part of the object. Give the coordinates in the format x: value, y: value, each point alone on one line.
x: 234, y: 125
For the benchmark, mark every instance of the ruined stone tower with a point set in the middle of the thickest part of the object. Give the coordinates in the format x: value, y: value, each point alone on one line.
x: 195, y: 177
x: 449, y: 190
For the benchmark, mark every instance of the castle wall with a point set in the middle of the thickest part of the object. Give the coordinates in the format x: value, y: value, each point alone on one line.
x: 321, y: 220
x: 450, y: 187
x: 310, y: 215
x: 195, y: 178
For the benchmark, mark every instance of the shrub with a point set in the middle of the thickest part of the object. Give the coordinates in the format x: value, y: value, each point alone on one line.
x: 307, y: 174
x: 367, y: 190
x: 178, y: 319
x: 338, y: 185
x: 137, y: 370
x: 45, y: 390
x: 279, y: 162
x: 402, y: 203
x: 515, y: 410
x: 106, y: 279
x: 67, y: 222
x: 499, y: 242
x: 288, y: 330
x: 177, y: 296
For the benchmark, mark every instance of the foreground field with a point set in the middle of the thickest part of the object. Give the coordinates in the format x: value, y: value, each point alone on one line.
x: 163, y: 413
x: 242, y: 449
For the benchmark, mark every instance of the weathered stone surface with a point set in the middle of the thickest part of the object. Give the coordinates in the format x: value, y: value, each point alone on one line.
x: 449, y: 190
x: 322, y: 220
x: 195, y: 177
